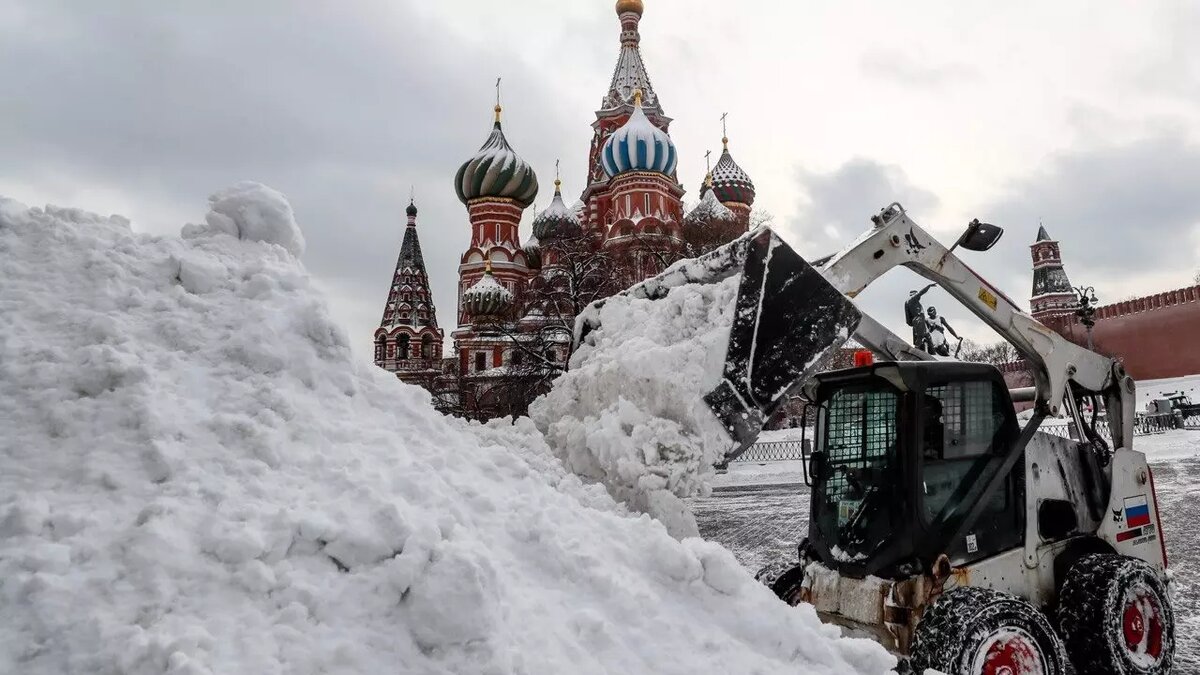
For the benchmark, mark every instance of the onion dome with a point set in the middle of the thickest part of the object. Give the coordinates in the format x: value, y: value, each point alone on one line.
x: 411, y: 211
x: 730, y: 182
x: 486, y: 298
x: 533, y: 253
x: 638, y: 145
x: 634, y: 6
x: 557, y: 220
x: 496, y: 171
x: 710, y: 210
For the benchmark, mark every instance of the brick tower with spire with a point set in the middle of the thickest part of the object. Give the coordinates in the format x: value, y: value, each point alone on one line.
x: 408, y: 341
x: 1052, y: 294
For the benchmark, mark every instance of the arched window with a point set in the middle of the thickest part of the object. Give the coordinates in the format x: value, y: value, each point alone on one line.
x: 402, y: 347
x: 427, y: 346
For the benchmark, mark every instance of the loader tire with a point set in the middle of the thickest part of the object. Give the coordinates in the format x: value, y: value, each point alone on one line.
x: 979, y: 631
x: 784, y: 578
x: 1115, y: 617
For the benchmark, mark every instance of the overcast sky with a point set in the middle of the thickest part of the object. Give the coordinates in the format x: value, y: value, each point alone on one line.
x: 1085, y: 115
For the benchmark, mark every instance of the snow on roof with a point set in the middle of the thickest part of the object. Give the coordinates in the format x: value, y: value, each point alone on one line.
x: 197, y: 476
x: 709, y: 209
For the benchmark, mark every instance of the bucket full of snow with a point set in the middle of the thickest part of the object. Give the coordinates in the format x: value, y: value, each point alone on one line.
x: 680, y: 372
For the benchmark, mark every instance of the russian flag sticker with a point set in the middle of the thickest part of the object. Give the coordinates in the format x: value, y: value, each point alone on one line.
x: 1137, y: 511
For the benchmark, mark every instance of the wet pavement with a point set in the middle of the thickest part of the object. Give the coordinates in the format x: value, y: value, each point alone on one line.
x: 760, y: 523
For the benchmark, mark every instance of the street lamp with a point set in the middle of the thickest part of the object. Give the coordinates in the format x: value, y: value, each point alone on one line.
x: 1087, y: 310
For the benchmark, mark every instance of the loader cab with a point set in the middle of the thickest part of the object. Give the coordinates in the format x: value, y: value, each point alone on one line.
x: 902, y: 452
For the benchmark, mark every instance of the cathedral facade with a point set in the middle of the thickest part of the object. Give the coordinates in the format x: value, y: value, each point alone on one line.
x: 517, y: 300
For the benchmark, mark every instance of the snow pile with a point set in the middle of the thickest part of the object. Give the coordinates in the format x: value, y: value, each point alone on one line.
x: 629, y: 412
x: 196, y: 477
x: 254, y: 212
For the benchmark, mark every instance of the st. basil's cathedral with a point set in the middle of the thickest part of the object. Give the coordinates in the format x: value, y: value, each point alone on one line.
x: 631, y: 210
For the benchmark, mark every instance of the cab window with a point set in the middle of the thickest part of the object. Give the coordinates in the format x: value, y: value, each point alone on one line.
x: 964, y: 431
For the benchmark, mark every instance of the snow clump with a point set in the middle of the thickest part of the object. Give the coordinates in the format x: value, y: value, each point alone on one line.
x: 629, y: 413
x: 197, y: 477
x: 254, y: 212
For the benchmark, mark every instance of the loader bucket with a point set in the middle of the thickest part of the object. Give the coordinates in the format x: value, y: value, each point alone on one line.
x: 788, y: 324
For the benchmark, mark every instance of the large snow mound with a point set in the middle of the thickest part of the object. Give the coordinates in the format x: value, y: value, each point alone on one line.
x: 629, y: 413
x: 197, y: 477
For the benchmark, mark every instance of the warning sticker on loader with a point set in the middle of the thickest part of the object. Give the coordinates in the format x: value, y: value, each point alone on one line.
x: 987, y: 297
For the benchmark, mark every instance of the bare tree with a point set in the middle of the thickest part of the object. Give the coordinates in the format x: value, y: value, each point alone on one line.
x: 576, y: 272
x: 996, y: 354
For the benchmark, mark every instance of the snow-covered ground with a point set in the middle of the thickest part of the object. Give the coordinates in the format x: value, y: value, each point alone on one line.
x: 197, y: 477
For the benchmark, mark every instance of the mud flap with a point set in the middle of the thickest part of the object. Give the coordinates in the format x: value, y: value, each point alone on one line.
x: 788, y: 324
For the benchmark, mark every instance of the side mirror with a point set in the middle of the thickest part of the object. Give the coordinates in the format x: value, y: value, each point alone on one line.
x: 979, y: 236
x: 816, y: 466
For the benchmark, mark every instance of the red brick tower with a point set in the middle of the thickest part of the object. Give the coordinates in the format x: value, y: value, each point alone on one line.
x: 1052, y: 293
x: 408, y: 341
x: 495, y: 185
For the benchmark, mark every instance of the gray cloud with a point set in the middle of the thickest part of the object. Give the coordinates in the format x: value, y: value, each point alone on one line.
x: 1116, y: 208
x: 341, y: 107
x: 837, y: 206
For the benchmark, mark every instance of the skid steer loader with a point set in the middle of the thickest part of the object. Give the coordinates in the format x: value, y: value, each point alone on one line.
x: 959, y: 538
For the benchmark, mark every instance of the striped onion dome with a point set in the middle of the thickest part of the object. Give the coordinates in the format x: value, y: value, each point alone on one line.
x: 557, y: 220
x: 486, y: 297
x: 730, y: 182
x: 638, y: 146
x: 710, y: 210
x: 533, y: 253
x: 496, y: 171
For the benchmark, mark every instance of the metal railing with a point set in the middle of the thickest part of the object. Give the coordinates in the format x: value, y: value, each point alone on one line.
x: 772, y: 451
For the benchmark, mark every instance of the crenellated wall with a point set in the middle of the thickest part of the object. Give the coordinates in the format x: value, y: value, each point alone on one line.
x: 1155, y: 336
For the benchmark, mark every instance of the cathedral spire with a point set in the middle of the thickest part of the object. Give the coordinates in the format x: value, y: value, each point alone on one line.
x: 410, y: 302
x: 630, y: 74
x: 408, y: 341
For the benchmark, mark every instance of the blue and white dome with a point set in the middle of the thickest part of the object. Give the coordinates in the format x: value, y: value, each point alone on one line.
x: 638, y: 146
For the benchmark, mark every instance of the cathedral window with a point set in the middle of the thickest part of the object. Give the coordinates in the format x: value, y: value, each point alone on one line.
x: 518, y: 357
x: 646, y: 203
x: 480, y: 361
x: 427, y: 346
x: 402, y: 347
